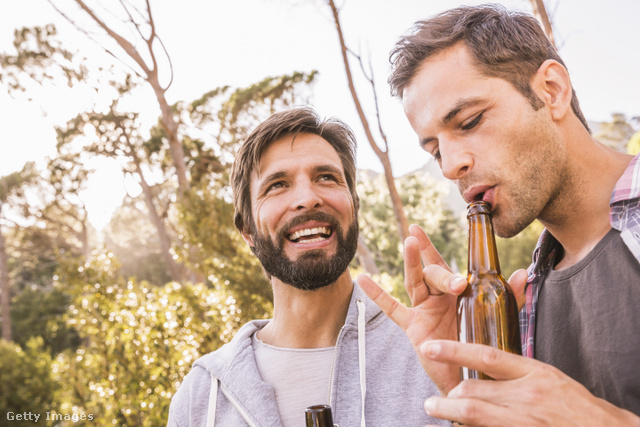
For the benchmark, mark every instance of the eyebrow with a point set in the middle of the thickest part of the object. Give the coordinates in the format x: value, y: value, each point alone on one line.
x: 461, y: 105
x: 269, y: 179
x: 328, y: 168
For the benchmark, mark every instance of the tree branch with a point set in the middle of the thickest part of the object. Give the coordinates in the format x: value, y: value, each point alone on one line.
x: 124, y: 43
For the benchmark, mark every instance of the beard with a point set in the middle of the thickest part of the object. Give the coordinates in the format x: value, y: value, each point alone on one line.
x: 313, y: 269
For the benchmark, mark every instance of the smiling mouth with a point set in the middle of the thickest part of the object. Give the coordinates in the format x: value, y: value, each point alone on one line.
x: 310, y: 235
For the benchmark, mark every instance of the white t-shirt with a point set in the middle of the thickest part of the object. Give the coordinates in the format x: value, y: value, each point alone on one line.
x: 299, y: 376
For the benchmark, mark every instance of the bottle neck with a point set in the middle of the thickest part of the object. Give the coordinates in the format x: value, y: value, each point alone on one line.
x: 483, y: 253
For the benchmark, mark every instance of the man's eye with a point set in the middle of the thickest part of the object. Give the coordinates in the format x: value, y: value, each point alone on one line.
x: 327, y: 177
x: 472, y: 123
x: 275, y: 186
x: 434, y: 151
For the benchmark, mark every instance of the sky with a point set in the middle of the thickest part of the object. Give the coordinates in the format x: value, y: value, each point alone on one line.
x: 214, y: 43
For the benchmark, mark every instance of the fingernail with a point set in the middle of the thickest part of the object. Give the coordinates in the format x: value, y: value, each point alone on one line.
x: 429, y: 405
x: 431, y: 349
x: 458, y: 283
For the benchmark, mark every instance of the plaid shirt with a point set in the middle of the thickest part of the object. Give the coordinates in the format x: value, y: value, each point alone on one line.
x: 624, y: 217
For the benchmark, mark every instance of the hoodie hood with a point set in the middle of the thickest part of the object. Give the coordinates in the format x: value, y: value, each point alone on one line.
x: 226, y: 385
x: 221, y: 361
x: 234, y: 365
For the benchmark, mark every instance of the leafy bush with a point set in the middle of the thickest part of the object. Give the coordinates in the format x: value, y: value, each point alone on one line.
x: 27, y: 383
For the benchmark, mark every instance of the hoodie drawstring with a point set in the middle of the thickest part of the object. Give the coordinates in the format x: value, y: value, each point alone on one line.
x: 362, y: 356
x: 213, y: 398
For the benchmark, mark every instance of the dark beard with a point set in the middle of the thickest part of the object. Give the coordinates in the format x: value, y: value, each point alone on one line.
x: 313, y: 269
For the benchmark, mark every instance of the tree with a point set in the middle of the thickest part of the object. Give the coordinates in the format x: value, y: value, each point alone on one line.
x: 633, y: 147
x: 515, y: 252
x: 540, y: 12
x: 39, y: 58
x: 27, y: 379
x: 424, y: 204
x: 56, y: 202
x: 133, y: 240
x: 146, y: 62
x: 10, y: 187
x: 617, y: 133
x: 139, y: 341
x: 380, y: 149
x: 118, y: 136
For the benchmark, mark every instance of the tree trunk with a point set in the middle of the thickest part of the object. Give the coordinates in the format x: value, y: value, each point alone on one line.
x: 171, y: 127
x: 541, y: 14
x: 163, y: 236
x: 5, y: 296
x: 383, y: 155
x: 84, y: 236
x: 365, y: 258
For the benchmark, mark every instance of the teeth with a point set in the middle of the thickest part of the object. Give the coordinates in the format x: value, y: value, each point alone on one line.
x: 310, y: 231
x: 317, y: 239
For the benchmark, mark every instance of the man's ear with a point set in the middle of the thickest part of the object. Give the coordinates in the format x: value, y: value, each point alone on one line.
x: 552, y: 84
x: 247, y: 238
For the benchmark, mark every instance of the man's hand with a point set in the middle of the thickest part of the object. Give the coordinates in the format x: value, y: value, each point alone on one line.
x: 526, y: 392
x: 433, y: 291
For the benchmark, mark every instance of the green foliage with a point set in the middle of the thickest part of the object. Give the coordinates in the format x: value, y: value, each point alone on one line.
x: 633, y: 146
x: 133, y: 240
x: 27, y: 383
x: 214, y: 247
x: 40, y: 57
x: 139, y: 342
x: 47, y: 322
x: 424, y: 205
x: 516, y: 252
x: 13, y: 183
x: 615, y: 133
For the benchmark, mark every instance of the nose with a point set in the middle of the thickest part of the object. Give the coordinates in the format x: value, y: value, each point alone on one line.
x: 305, y: 196
x: 455, y: 161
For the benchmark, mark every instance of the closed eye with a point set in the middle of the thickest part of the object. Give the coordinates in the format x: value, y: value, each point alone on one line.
x: 432, y: 148
x: 473, y: 123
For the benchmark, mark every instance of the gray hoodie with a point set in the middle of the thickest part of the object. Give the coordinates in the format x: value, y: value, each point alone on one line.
x: 374, y: 365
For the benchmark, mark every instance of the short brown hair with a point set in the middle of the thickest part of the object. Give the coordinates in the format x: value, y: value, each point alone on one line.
x: 505, y: 44
x: 290, y: 122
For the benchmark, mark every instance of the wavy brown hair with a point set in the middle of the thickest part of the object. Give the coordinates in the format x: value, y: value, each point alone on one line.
x: 505, y: 44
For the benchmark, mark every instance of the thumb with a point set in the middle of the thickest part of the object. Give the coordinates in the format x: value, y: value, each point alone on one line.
x: 517, y: 282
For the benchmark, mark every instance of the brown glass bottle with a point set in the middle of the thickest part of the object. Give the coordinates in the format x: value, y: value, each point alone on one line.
x: 319, y: 416
x: 487, y: 310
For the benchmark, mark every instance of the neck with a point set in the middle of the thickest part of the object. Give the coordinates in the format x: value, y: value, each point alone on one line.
x: 579, y: 216
x: 307, y: 319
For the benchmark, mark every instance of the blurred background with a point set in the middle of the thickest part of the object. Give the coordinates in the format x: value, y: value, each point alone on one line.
x: 119, y: 263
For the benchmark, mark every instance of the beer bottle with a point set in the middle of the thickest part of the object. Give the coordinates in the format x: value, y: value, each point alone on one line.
x: 487, y: 310
x: 319, y: 416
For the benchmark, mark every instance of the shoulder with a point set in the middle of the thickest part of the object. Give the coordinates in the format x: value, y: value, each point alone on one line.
x: 224, y: 356
x: 193, y: 394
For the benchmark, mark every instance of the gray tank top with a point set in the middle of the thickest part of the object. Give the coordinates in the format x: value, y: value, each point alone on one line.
x: 589, y: 322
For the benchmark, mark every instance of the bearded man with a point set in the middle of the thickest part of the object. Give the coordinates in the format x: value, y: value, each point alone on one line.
x: 296, y: 206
